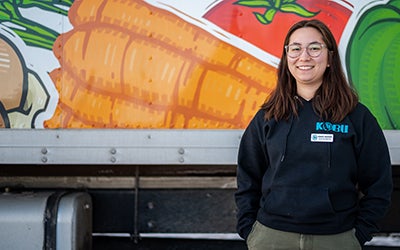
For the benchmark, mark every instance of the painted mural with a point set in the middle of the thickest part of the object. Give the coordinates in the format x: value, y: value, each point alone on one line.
x: 177, y: 64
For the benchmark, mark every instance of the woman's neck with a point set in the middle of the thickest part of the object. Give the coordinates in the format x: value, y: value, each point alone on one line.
x: 307, y: 91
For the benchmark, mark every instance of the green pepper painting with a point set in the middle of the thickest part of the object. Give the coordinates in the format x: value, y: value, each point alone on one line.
x: 373, y: 59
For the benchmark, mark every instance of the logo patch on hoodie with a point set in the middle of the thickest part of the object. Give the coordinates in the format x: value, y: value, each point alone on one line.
x: 331, y: 127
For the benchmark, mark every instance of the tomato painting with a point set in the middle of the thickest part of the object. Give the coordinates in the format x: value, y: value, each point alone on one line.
x: 272, y: 19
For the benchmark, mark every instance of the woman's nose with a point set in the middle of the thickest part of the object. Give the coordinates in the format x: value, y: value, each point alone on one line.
x: 304, y: 54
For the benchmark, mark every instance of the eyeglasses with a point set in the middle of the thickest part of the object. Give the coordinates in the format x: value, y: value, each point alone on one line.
x: 313, y: 50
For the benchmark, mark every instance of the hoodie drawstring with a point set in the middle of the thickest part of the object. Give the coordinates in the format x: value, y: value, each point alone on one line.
x: 286, y: 139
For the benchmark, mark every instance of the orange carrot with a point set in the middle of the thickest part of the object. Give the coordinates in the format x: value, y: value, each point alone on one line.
x: 128, y: 64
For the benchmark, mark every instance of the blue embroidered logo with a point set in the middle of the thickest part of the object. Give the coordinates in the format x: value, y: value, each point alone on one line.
x: 329, y: 127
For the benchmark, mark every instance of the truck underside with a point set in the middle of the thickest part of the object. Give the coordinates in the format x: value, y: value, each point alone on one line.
x: 181, y: 198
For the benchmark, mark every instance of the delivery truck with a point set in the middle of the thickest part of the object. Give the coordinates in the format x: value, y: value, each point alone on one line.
x: 121, y: 119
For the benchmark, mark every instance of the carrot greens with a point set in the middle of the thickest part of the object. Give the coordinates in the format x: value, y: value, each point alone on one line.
x: 31, y: 32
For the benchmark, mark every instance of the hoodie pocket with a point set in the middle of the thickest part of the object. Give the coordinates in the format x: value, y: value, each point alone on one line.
x: 299, y: 203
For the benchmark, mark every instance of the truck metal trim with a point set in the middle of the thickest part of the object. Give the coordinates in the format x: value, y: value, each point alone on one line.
x: 127, y: 146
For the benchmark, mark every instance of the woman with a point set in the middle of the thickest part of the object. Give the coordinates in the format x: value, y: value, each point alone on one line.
x: 314, y: 170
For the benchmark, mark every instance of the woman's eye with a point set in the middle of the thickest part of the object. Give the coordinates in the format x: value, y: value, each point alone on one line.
x: 314, y: 48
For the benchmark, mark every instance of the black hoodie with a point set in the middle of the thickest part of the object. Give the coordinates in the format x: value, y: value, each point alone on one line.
x: 311, y: 176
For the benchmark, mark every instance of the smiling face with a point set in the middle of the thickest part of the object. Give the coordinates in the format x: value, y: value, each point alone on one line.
x: 308, y: 71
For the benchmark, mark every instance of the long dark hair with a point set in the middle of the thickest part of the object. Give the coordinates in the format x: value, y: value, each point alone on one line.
x: 333, y: 100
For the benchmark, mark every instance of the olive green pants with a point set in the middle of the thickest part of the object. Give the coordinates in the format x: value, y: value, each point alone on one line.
x: 265, y: 238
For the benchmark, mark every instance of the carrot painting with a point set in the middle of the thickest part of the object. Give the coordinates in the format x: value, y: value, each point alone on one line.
x: 127, y: 64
